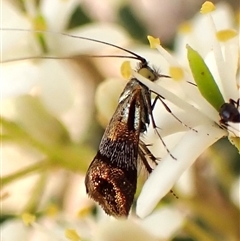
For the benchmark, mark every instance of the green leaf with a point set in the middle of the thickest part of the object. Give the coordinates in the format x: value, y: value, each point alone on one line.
x: 204, y: 79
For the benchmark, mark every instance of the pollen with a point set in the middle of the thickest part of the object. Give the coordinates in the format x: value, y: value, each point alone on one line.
x: 154, y: 42
x: 72, y: 235
x: 126, y: 70
x: 225, y: 35
x: 185, y: 27
x: 28, y: 218
x: 207, y: 7
x: 176, y: 73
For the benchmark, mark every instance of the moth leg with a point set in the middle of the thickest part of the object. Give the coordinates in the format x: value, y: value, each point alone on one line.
x: 170, y: 111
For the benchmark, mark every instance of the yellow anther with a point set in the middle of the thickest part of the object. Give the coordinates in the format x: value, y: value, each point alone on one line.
x: 28, y: 218
x: 176, y: 73
x: 52, y: 210
x: 126, y: 70
x: 207, y: 7
x: 84, y: 212
x: 154, y: 42
x: 72, y: 235
x: 225, y: 35
x: 185, y: 27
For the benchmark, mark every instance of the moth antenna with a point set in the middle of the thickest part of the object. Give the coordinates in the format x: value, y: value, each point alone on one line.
x: 67, y: 57
x: 135, y: 56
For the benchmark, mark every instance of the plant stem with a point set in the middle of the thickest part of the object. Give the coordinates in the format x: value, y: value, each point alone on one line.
x: 41, y: 165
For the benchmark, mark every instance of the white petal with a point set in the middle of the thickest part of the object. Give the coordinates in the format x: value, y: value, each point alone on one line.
x: 231, y: 51
x: 57, y: 13
x: 164, y: 222
x: 20, y: 190
x: 234, y: 129
x: 223, y: 16
x: 169, y: 170
x: 56, y: 89
x: 75, y: 197
x: 50, y: 231
x: 106, y: 98
x: 18, y: 78
x: 121, y: 230
x: 15, y: 44
x: 11, y: 17
x: 185, y: 185
x: 14, y: 230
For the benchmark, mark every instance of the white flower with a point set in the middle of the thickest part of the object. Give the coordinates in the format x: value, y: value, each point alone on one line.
x: 199, y: 114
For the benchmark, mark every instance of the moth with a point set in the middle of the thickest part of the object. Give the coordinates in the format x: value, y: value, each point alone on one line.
x: 111, y: 179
